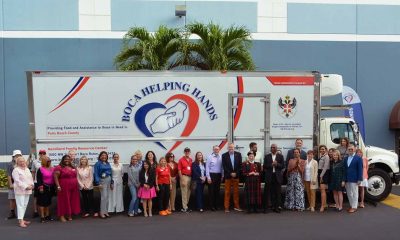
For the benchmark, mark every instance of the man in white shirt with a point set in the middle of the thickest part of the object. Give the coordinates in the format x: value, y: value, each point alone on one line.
x: 258, y: 154
x: 214, y: 174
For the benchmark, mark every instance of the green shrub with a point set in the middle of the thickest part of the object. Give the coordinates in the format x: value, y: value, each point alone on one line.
x: 3, y: 179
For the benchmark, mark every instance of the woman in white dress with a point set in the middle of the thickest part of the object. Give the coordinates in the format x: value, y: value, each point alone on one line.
x: 115, y: 202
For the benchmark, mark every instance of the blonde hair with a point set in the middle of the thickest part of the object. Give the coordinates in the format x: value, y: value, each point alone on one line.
x: 138, y: 152
x: 337, y: 153
x: 83, y: 158
x: 43, y: 160
x: 18, y: 159
x: 162, y: 158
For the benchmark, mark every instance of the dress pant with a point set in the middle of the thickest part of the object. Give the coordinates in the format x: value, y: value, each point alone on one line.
x: 214, y: 189
x: 310, y: 194
x: 173, y: 194
x: 273, y: 189
x: 115, y: 201
x: 199, y: 195
x: 352, y: 194
x: 22, y: 202
x: 185, y: 190
x: 163, y: 197
x: 233, y: 182
x: 105, y: 191
x: 87, y: 199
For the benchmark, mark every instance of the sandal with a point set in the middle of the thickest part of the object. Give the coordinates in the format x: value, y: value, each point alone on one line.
x: 23, y: 225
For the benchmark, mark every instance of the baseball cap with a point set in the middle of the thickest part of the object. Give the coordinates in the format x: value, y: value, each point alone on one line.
x: 16, y: 152
x: 42, y: 151
x: 186, y: 149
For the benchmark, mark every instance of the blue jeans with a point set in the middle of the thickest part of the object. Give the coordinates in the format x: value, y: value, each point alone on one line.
x: 134, y: 204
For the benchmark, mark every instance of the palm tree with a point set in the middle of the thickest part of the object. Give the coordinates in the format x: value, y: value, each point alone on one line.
x: 143, y: 50
x: 218, y: 49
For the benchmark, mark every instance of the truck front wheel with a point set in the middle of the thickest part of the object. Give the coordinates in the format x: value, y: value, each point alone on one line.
x: 379, y: 185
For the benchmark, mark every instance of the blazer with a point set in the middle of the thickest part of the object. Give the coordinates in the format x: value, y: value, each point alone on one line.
x: 196, y: 172
x: 313, y: 173
x: 354, y: 172
x: 227, y: 164
x: 268, y: 168
x: 151, y: 180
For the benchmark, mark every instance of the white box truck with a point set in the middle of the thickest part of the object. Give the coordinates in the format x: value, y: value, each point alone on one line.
x: 121, y: 112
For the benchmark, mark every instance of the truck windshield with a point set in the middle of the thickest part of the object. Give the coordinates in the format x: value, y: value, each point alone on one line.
x: 341, y: 130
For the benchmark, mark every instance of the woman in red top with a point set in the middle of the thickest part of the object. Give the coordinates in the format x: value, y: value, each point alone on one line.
x: 173, y: 169
x: 163, y: 186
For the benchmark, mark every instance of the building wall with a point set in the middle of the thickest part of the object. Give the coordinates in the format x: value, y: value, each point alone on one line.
x: 357, y: 39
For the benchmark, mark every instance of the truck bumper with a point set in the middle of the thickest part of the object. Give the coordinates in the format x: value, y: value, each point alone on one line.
x: 396, y: 178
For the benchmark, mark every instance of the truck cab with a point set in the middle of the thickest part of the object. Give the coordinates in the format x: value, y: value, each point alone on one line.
x: 383, y: 164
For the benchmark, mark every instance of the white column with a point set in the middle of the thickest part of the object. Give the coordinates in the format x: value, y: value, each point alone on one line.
x: 95, y: 15
x: 272, y: 16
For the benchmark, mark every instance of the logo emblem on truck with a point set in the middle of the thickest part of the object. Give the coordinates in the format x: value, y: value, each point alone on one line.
x: 183, y: 106
x: 287, y: 106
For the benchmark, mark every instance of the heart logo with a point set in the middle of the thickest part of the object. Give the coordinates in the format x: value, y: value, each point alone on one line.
x: 348, y: 98
x: 170, y: 118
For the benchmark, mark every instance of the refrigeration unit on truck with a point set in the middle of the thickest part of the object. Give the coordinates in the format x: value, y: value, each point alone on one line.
x: 121, y: 112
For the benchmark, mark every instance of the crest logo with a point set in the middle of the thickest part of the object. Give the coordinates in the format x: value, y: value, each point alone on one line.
x: 287, y: 107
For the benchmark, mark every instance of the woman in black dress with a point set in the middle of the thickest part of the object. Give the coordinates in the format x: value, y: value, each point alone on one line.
x: 337, y: 179
x: 251, y: 171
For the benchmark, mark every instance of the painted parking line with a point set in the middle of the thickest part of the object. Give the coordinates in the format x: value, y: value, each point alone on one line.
x: 392, y: 200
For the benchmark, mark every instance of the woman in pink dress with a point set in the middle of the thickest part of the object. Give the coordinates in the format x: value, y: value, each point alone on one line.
x: 65, y: 178
x: 147, y: 192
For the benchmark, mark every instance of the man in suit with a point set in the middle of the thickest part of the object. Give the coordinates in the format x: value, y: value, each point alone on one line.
x: 273, y: 165
x: 353, y: 177
x: 299, y: 145
x: 232, y: 165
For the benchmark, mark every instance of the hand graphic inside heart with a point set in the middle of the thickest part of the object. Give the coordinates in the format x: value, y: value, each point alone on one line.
x: 193, y: 118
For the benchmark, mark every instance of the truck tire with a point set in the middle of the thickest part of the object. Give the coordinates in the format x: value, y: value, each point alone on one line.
x: 379, y: 185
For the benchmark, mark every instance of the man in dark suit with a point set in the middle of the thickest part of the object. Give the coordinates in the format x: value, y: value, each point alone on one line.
x: 273, y: 165
x: 299, y: 145
x: 232, y: 165
x: 353, y: 176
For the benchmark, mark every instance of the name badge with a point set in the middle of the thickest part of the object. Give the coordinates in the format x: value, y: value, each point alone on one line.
x: 188, y: 168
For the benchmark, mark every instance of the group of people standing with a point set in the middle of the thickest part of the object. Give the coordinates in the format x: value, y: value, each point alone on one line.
x: 149, y: 180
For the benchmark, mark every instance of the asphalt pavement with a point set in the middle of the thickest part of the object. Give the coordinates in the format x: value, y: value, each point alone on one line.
x: 371, y: 222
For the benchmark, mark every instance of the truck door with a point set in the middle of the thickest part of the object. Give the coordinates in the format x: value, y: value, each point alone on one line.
x: 253, y: 122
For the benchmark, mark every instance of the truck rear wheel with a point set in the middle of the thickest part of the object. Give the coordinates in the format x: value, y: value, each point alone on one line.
x: 379, y: 185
